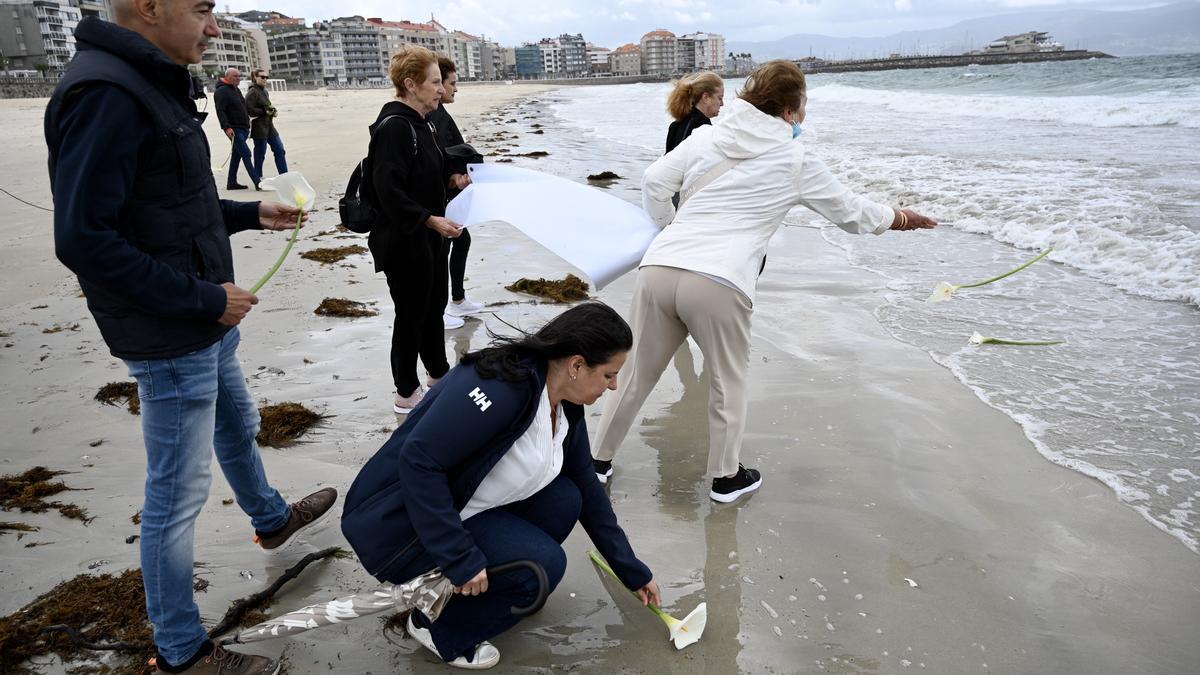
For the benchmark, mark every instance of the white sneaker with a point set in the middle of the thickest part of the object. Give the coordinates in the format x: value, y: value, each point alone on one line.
x: 405, y: 404
x: 486, y: 654
x: 465, y: 308
x: 451, y: 322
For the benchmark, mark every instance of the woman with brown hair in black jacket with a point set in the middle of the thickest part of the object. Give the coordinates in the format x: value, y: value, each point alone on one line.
x: 408, y: 179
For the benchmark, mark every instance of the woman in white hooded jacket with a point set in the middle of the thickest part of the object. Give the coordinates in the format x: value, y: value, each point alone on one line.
x: 737, y: 180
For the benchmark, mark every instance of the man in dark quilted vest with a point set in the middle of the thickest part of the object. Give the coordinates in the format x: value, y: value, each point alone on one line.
x: 137, y: 218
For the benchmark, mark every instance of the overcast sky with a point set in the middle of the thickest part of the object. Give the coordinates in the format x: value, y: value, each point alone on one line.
x: 611, y: 23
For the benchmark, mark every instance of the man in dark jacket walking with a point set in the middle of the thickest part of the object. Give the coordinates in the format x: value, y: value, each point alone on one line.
x: 262, y: 123
x: 137, y: 218
x: 235, y: 120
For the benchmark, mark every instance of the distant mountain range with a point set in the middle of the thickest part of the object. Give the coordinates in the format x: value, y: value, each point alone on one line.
x: 1171, y: 29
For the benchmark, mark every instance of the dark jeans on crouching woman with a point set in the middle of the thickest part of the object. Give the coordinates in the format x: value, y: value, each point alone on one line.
x: 533, y: 529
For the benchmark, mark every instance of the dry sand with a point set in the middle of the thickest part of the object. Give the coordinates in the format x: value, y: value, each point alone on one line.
x: 903, y: 524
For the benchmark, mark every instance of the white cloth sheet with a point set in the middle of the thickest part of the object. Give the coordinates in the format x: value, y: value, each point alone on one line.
x: 602, y: 235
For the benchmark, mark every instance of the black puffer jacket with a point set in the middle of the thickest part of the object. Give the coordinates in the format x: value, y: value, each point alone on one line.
x: 231, y: 107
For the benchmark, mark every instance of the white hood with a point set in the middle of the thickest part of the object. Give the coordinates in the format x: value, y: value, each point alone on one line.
x: 743, y: 131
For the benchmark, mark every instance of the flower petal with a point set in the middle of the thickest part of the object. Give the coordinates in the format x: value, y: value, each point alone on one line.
x: 942, y: 292
x: 689, y: 630
x: 293, y: 189
x: 977, y: 339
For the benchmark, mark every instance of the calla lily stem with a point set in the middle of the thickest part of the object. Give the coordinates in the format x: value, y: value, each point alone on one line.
x: 1043, y: 254
x: 287, y: 249
x: 600, y: 562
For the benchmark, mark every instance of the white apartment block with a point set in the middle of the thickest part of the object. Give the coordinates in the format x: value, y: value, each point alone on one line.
x: 361, y: 43
x: 235, y: 48
x: 597, y: 59
x: 38, y: 34
x: 659, y: 50
x: 700, y: 51
x: 311, y: 56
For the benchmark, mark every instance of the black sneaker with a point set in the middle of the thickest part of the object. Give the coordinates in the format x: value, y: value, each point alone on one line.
x: 728, y: 489
x: 306, y: 512
x: 603, y: 469
x: 234, y: 186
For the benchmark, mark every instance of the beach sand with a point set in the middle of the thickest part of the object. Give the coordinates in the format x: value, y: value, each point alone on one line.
x: 903, y: 524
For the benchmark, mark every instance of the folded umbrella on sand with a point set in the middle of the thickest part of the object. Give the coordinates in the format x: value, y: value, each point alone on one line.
x: 429, y: 593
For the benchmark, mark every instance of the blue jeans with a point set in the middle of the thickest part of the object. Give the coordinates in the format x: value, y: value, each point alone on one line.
x: 192, y: 405
x: 260, y: 154
x: 241, y: 152
x: 533, y: 529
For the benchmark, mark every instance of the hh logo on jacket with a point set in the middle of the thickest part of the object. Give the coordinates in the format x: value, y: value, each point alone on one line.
x: 480, y: 398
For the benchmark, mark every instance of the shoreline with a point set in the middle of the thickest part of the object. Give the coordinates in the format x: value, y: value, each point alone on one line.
x: 879, y: 468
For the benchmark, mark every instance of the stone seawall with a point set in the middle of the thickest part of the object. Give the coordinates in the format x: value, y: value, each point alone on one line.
x: 26, y: 88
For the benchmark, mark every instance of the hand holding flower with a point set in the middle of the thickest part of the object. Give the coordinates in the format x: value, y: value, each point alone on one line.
x: 276, y: 216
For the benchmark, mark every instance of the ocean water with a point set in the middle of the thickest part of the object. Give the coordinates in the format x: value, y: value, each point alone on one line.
x: 1095, y: 159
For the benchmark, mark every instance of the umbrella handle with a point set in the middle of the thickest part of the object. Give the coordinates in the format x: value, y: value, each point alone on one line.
x: 538, y: 572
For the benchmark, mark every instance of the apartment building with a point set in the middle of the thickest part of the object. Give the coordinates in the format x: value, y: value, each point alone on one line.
x: 528, y: 61
x: 625, y: 60
x: 699, y: 51
x: 597, y: 57
x: 38, y: 34
x: 235, y: 48
x: 362, y: 45
x: 308, y: 56
x: 659, y: 52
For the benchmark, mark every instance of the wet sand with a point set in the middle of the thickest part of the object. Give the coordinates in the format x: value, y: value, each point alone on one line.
x: 903, y: 524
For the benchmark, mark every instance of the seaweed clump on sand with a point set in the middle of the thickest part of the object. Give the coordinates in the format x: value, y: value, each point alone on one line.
x: 535, y: 153
x: 603, y: 176
x: 571, y: 289
x: 116, y: 392
x: 284, y: 423
x: 342, y: 307
x: 105, y: 608
x: 327, y: 256
x: 28, y: 491
x: 22, y: 528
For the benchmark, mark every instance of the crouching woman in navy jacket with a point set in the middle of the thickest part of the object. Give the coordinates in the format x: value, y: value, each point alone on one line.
x: 494, y: 466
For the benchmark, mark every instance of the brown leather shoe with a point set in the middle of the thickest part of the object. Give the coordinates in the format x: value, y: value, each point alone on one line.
x: 306, y: 512
x: 221, y: 662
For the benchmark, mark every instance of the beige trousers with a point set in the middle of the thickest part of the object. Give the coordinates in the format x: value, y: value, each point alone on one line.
x: 668, y: 305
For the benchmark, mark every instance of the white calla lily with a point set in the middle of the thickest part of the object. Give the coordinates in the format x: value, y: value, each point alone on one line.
x: 293, y: 190
x: 944, y: 290
x: 682, y: 632
x: 688, y: 630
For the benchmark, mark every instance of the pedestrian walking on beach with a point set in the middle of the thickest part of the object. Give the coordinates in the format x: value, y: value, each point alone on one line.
x: 262, y: 124
x: 736, y: 180
x: 408, y: 180
x: 693, y: 102
x: 460, y: 305
x: 235, y: 120
x: 137, y: 219
x: 495, y: 466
